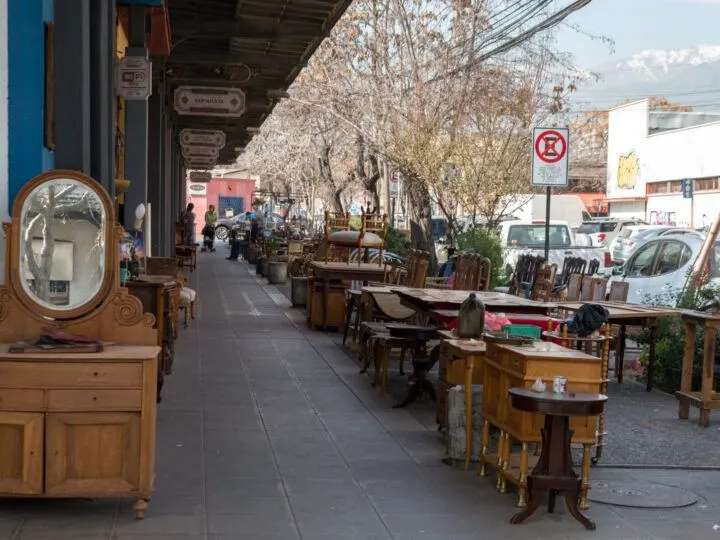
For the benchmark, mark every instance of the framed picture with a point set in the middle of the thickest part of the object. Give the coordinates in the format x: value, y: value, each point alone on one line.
x: 50, y: 85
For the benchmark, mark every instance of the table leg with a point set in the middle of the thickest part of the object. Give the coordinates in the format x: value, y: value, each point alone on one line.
x: 349, y: 307
x: 687, y: 368
x: 651, y: 357
x: 326, y: 300
x: 620, y: 353
x: 708, y: 375
x: 485, y: 444
x: 469, y: 366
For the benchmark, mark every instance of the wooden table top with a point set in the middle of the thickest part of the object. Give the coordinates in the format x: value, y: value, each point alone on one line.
x: 431, y: 299
x: 110, y: 352
x: 548, y: 349
x: 155, y: 280
x: 568, y: 404
x: 700, y: 315
x: 368, y: 270
x: 466, y: 346
x: 623, y: 310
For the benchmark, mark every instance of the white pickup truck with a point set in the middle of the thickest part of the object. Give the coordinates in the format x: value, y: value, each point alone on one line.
x: 528, y: 238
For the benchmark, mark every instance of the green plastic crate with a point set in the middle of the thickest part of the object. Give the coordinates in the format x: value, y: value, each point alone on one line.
x: 522, y: 330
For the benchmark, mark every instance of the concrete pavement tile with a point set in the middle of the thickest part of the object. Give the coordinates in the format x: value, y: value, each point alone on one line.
x: 232, y: 488
x: 155, y: 524
x: 247, y: 524
x: 239, y: 503
x: 358, y: 522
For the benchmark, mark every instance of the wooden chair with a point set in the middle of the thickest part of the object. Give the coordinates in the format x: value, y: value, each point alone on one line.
x: 186, y: 255
x: 599, y: 291
x: 544, y: 282
x: 525, y: 273
x: 484, y: 273
x: 378, y: 225
x: 574, y: 287
x: 593, y: 289
x: 593, y: 267
x: 187, y: 301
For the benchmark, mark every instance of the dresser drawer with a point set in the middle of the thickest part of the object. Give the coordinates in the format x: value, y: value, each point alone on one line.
x: 21, y: 400
x: 70, y: 375
x: 94, y: 400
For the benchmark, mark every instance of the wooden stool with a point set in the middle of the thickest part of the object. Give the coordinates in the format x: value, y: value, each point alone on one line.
x: 554, y: 471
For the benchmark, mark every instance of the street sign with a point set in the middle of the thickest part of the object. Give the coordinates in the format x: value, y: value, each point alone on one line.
x: 200, y: 176
x: 208, y: 137
x: 394, y: 187
x: 200, y: 151
x: 550, y: 157
x: 134, y: 78
x: 687, y: 188
x: 209, y: 101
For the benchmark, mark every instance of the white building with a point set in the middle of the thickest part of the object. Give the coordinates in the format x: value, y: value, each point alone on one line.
x: 651, y: 155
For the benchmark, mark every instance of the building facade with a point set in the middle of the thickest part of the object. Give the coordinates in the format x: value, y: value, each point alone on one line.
x: 663, y: 167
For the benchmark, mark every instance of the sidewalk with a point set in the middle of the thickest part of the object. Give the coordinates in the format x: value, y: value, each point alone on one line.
x: 266, y: 431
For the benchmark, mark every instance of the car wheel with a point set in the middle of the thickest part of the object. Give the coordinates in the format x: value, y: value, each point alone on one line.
x: 221, y: 233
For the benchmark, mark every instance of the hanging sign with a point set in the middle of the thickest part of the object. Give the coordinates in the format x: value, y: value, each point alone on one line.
x: 550, y: 157
x: 200, y: 176
x: 200, y: 151
x: 198, y: 163
x: 134, y: 78
x: 197, y: 189
x: 207, y: 137
x: 209, y: 101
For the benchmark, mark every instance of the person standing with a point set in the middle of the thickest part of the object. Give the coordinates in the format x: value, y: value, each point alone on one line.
x: 211, y: 217
x: 188, y: 223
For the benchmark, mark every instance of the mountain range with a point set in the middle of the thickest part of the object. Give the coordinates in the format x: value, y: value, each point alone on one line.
x: 686, y: 76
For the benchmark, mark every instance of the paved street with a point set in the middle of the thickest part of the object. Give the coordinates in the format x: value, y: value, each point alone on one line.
x: 267, y: 431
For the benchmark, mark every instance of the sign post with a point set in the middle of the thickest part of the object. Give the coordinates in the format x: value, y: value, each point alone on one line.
x: 687, y: 192
x: 550, y: 166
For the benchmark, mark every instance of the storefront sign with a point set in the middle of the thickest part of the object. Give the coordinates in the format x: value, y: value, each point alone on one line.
x: 395, y: 179
x: 134, y: 78
x: 197, y: 189
x: 200, y: 176
x: 199, y: 163
x: 550, y: 157
x: 200, y: 151
x: 208, y: 137
x: 209, y: 101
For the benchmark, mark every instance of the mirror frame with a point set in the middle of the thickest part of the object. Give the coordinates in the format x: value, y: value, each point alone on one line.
x: 13, y: 270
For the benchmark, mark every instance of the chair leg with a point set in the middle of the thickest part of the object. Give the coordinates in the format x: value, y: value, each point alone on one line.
x: 348, y: 317
x: 192, y: 310
x: 185, y: 309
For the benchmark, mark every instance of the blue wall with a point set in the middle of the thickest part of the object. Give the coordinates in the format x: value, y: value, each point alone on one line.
x: 27, y: 154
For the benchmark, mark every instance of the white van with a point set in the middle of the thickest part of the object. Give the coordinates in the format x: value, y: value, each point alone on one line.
x: 565, y: 207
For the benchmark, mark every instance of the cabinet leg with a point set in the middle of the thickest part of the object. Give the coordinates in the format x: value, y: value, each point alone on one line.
x: 705, y: 417
x: 140, y: 507
x: 683, y: 411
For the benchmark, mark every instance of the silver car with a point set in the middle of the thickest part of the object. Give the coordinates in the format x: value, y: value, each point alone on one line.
x: 631, y: 238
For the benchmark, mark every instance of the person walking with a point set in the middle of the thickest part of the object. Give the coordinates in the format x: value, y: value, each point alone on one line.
x: 188, y: 223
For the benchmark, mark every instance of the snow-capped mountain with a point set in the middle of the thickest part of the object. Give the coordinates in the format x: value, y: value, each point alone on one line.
x: 689, y: 76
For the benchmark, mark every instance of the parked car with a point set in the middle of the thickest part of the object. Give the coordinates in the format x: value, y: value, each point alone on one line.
x: 521, y: 238
x: 603, y: 231
x: 631, y: 238
x: 658, y: 271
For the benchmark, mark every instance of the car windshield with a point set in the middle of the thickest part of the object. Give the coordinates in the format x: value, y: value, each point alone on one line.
x: 534, y: 235
x: 593, y: 227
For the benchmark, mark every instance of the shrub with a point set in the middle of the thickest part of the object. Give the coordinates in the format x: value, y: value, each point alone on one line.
x: 670, y: 339
x: 484, y: 242
x: 396, y: 242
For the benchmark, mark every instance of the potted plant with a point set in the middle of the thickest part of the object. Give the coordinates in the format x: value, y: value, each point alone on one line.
x: 277, y: 270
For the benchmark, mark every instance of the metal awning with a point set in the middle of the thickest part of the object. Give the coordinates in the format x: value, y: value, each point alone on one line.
x: 259, y: 46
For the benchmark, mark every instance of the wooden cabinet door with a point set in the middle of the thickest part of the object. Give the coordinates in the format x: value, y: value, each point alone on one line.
x: 92, y: 454
x: 21, y: 453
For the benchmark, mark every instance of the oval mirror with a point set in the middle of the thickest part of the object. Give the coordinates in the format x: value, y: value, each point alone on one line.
x: 63, y: 226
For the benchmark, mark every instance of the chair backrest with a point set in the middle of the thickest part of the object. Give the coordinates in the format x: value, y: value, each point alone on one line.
x: 416, y: 269
x: 619, y: 291
x: 574, y: 287
x: 593, y: 267
x: 295, y: 247
x: 544, y: 282
x: 516, y: 279
x: 571, y: 265
x: 336, y: 221
x: 484, y: 273
x: 377, y: 223
x: 599, y: 290
x: 463, y: 270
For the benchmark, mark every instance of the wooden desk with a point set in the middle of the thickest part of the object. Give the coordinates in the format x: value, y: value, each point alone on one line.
x: 554, y: 470
x: 706, y: 399
x: 624, y: 315
x: 508, y: 366
x: 326, y: 272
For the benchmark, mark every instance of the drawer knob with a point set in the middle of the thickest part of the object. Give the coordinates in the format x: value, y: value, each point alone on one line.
x: 94, y: 398
x: 95, y: 374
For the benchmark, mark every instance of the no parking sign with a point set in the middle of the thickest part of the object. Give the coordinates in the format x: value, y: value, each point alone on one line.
x: 550, y: 157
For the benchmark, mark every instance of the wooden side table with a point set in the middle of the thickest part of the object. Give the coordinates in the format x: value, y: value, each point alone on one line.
x: 706, y: 399
x: 554, y: 471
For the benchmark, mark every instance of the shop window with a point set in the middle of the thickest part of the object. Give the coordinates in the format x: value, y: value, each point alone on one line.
x: 657, y: 188
x: 706, y: 184
x: 675, y: 186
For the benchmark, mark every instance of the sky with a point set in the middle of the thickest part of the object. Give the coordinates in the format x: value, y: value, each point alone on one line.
x: 637, y: 25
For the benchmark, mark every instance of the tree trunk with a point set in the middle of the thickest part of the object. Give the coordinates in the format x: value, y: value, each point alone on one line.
x: 421, y: 220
